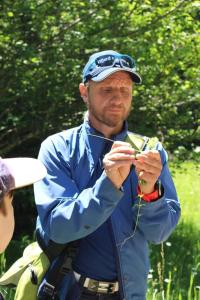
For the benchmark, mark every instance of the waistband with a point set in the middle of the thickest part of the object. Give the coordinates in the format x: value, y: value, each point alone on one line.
x: 95, y: 286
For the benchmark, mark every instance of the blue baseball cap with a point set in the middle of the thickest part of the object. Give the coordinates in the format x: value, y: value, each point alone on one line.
x: 102, y: 64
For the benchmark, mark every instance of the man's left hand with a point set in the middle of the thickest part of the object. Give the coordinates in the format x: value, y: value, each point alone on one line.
x: 148, y: 167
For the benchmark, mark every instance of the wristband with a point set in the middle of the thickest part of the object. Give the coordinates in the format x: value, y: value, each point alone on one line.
x: 151, y: 196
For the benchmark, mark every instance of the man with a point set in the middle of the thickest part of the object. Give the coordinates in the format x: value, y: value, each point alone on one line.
x: 102, y: 192
x: 14, y: 173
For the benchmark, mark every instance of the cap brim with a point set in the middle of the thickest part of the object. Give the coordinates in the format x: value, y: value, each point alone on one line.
x: 104, y: 74
x: 25, y: 170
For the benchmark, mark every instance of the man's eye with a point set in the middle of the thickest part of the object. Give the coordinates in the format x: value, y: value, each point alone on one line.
x: 125, y: 91
x: 108, y: 90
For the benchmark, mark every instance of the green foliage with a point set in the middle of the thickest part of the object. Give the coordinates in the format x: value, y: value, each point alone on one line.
x: 25, y: 212
x: 43, y: 48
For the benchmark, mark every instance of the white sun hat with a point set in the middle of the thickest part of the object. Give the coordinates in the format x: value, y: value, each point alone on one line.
x: 22, y: 170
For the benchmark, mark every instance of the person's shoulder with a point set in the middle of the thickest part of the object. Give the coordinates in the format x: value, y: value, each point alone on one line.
x: 60, y: 139
x: 62, y: 135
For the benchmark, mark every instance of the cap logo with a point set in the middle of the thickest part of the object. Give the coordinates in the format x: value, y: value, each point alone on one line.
x: 105, y: 62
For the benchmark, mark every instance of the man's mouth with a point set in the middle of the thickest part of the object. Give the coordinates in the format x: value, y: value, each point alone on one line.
x: 115, y: 109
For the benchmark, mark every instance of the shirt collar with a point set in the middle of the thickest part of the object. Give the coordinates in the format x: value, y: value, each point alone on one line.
x: 98, y: 141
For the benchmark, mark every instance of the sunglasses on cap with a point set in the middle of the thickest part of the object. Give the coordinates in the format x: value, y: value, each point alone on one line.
x: 110, y: 60
x: 103, y: 62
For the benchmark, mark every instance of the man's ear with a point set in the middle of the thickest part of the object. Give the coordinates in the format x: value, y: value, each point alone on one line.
x: 83, y: 92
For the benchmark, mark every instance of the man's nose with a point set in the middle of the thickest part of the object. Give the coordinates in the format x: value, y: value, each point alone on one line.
x: 117, y: 96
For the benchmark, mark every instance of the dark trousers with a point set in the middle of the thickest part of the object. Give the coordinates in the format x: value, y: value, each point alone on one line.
x: 86, y: 295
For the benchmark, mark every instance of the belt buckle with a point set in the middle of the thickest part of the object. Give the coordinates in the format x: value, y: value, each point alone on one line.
x: 107, y: 287
x: 101, y: 287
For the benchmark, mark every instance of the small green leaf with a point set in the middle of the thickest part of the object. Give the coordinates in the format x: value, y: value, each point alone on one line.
x: 10, y: 14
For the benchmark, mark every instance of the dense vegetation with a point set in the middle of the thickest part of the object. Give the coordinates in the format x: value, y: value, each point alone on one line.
x: 43, y: 48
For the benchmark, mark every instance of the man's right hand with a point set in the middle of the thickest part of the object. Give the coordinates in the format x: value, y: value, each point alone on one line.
x: 118, y: 161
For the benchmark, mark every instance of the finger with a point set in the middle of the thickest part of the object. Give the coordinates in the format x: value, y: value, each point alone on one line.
x: 147, y: 167
x: 153, y: 154
x: 121, y: 151
x: 120, y: 143
x: 147, y: 177
x: 116, y: 164
x: 148, y: 174
x: 117, y: 144
x: 148, y: 161
x: 119, y: 157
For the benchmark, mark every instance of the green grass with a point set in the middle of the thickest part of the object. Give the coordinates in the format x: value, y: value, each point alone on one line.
x: 187, y: 180
x: 175, y: 265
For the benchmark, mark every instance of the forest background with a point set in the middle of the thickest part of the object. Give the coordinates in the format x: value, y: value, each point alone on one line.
x: 43, y: 48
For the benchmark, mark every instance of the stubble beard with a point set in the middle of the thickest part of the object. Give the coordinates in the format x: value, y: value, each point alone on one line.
x: 110, y: 120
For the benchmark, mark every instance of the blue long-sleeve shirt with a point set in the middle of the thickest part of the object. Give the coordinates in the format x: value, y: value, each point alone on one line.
x: 77, y: 201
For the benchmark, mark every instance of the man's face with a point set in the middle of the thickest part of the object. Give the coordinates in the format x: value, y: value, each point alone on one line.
x: 109, y: 101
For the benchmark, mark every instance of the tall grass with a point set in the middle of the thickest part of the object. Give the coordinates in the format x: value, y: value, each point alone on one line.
x: 175, y: 264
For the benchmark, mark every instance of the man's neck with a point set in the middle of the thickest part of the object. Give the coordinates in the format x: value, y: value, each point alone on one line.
x: 107, y: 131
